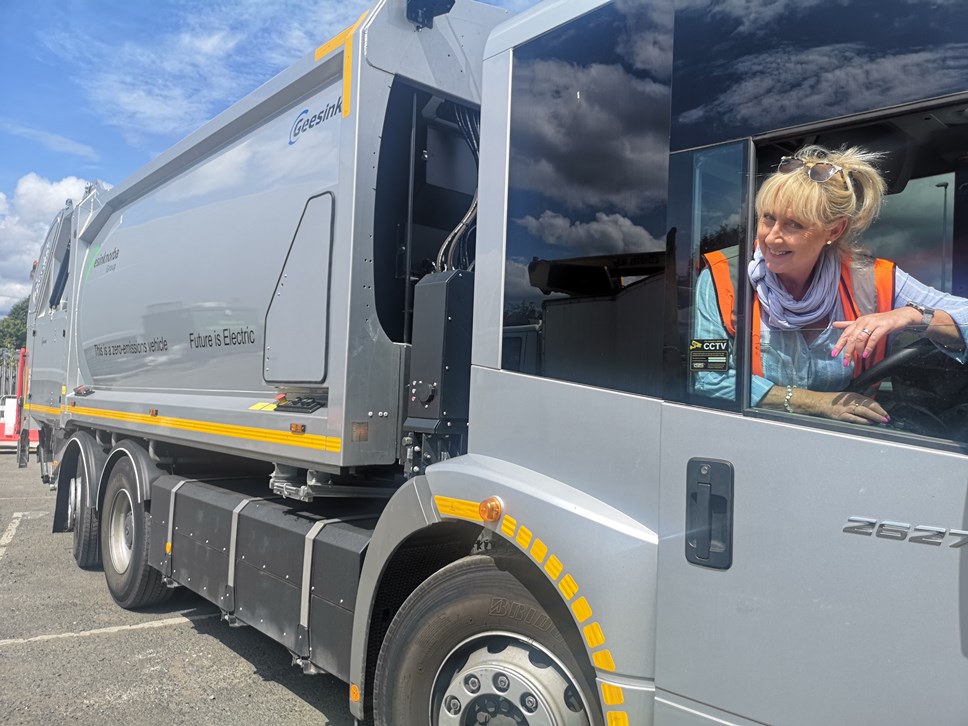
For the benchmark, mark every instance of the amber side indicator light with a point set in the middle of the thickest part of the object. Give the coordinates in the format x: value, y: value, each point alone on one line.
x: 152, y: 411
x: 297, y: 428
x: 490, y: 509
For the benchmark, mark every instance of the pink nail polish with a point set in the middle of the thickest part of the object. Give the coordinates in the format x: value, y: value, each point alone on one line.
x: 833, y: 353
x: 886, y: 419
x: 866, y: 353
x: 846, y: 361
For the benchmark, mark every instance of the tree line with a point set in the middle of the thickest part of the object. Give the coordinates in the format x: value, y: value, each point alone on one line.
x: 13, y: 328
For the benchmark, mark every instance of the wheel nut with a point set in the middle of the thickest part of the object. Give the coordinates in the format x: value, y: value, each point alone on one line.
x: 501, y: 682
x: 453, y: 705
x: 529, y: 702
x: 472, y: 683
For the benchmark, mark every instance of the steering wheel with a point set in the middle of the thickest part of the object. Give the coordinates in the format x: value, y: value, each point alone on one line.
x: 917, y: 350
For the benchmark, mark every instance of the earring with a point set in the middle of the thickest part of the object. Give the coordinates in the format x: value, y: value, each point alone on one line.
x: 830, y: 241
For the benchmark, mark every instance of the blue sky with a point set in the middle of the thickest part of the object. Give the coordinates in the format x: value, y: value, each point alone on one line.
x: 94, y: 89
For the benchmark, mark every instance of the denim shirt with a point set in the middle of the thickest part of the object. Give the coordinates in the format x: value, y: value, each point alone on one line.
x: 789, y: 360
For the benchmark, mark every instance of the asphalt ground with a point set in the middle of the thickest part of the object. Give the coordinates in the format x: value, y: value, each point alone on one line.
x: 69, y: 655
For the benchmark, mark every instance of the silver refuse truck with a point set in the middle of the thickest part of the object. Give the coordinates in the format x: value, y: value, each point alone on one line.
x: 397, y: 361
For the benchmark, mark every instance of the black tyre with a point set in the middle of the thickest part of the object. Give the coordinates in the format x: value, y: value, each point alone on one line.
x: 472, y: 645
x: 124, y: 543
x: 83, y: 522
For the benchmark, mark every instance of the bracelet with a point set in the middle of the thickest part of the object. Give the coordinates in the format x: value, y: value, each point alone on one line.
x: 786, y: 399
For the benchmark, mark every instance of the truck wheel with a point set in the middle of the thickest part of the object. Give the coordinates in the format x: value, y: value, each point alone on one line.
x: 472, y: 645
x: 82, y: 520
x: 124, y: 543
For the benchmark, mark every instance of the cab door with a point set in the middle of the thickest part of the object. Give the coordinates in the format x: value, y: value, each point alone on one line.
x: 809, y: 572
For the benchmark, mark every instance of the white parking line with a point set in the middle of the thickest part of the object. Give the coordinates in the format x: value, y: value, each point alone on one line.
x: 180, y: 620
x: 11, y: 529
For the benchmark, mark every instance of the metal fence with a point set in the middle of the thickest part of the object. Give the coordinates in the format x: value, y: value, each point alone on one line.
x: 9, y: 357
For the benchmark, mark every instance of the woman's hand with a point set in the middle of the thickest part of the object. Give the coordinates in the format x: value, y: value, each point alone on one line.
x: 838, y: 405
x: 852, y: 407
x: 862, y: 335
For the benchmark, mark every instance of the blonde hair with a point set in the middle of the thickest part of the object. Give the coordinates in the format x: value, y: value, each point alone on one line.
x: 854, y: 193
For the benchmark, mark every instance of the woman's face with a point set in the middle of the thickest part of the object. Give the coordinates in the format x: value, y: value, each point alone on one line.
x: 791, y: 246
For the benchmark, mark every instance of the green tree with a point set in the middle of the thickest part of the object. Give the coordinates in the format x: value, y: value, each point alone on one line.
x: 13, y: 328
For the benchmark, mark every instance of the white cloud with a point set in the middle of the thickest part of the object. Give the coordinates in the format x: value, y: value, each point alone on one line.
x: 50, y: 141
x: 202, y: 58
x: 844, y: 77
x: 755, y: 16
x: 588, y: 136
x: 24, y: 220
x: 607, y: 234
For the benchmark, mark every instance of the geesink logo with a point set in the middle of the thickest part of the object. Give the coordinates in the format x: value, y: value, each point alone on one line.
x: 306, y: 121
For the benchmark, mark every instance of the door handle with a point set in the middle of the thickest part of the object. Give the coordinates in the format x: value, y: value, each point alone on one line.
x: 709, y: 513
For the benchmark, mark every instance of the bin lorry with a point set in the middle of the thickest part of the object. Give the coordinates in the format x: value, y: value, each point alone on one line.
x: 394, y: 361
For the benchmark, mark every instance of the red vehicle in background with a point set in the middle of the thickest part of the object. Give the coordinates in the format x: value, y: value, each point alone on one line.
x: 14, y: 432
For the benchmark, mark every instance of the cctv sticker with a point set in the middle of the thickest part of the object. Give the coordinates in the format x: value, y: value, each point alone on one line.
x: 709, y: 355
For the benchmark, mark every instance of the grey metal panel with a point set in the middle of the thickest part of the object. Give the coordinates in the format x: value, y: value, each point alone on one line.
x: 338, y: 558
x: 408, y: 511
x: 47, y: 326
x: 222, y: 230
x: 448, y: 59
x: 330, y: 637
x: 593, y: 439
x: 201, y: 513
x: 440, y: 351
x: 492, y: 213
x: 569, y: 522
x: 877, y: 625
x: 199, y: 567
x: 270, y: 539
x: 537, y: 20
x: 298, y: 318
x: 674, y: 710
x: 239, y: 429
x: 269, y: 604
x: 297, y: 81
x: 610, y: 557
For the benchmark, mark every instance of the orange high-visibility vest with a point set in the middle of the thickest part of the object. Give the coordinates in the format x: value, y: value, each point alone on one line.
x: 866, y: 286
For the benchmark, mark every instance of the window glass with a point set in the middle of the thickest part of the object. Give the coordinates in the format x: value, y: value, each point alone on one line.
x: 587, y: 193
x: 915, y: 381
x: 708, y: 212
x: 745, y: 68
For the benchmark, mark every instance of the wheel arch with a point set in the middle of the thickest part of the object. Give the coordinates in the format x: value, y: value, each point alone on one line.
x: 81, y: 449
x: 144, y: 469
x: 569, y: 556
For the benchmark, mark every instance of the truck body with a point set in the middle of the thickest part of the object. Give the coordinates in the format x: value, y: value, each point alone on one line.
x: 394, y: 361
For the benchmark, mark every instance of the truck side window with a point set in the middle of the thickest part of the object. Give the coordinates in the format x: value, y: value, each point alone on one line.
x: 915, y: 381
x: 587, y: 192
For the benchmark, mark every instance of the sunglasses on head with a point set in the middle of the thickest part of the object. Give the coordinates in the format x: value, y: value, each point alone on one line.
x: 818, y: 171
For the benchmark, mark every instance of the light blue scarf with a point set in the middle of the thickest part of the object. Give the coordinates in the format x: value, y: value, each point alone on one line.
x: 782, y: 310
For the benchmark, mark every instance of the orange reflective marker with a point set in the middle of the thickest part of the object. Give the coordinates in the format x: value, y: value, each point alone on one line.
x: 490, y: 509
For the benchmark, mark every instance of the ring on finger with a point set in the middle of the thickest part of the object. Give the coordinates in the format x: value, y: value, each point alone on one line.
x: 866, y: 331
